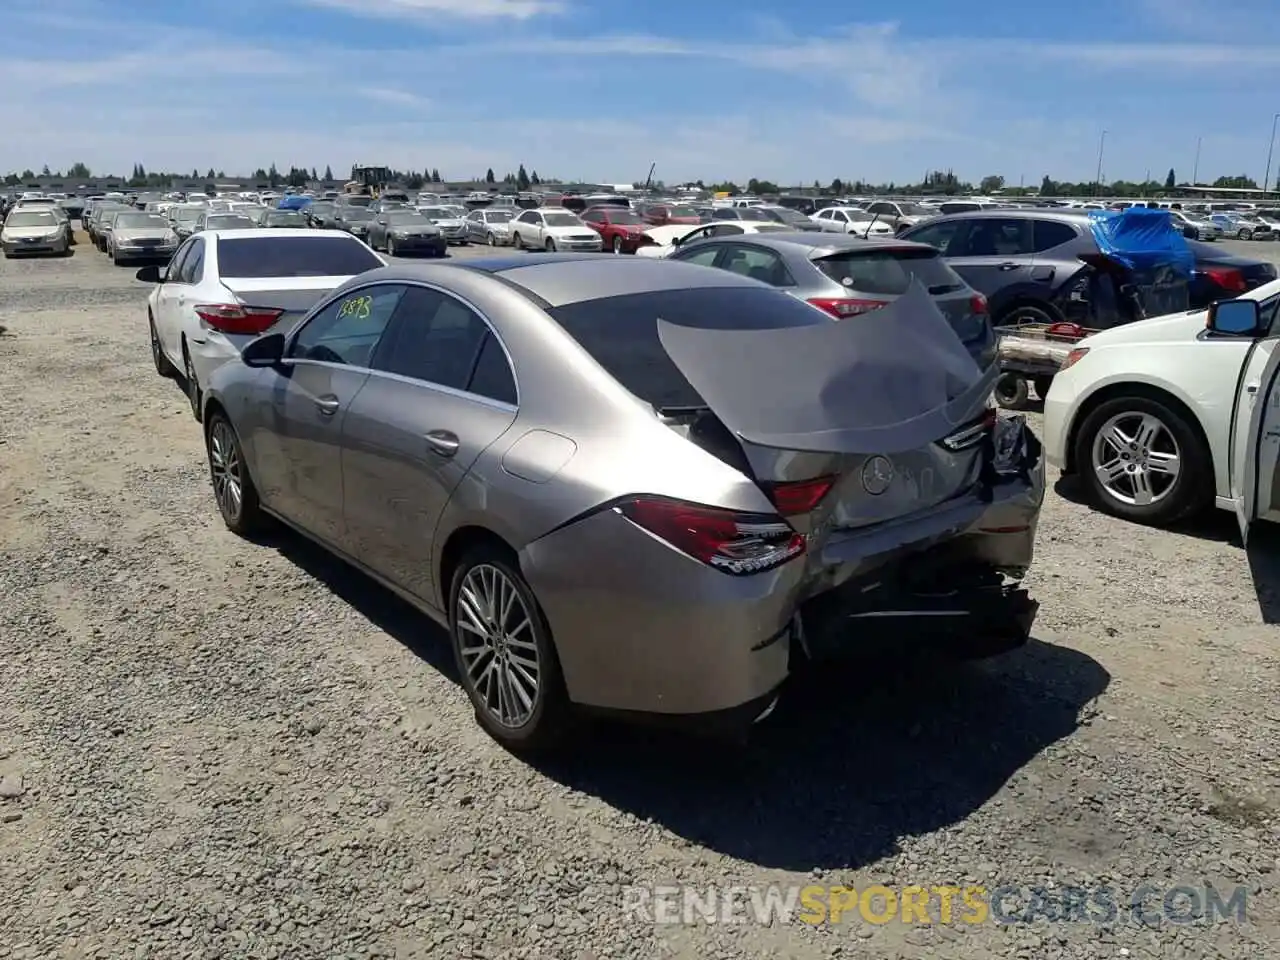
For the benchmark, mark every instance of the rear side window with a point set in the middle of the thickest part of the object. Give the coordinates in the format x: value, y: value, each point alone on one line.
x: 891, y: 271
x: 277, y: 256
x: 1050, y: 233
x: 621, y: 333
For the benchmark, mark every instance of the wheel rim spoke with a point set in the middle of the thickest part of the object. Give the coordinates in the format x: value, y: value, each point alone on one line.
x: 1136, y: 458
x: 497, y: 646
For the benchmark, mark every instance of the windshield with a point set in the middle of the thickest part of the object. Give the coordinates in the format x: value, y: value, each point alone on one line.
x: 31, y: 218
x: 358, y: 201
x: 185, y: 213
x: 913, y: 210
x: 498, y: 216
x: 456, y: 211
x: 563, y: 220
x: 286, y: 216
x: 228, y: 222
x: 294, y: 255
x: 621, y: 333
x: 406, y: 216
x: 137, y: 221
x: 321, y: 208
x: 438, y: 213
x: 858, y: 216
x: 682, y: 212
x: 784, y: 215
x: 891, y: 271
x: 357, y: 213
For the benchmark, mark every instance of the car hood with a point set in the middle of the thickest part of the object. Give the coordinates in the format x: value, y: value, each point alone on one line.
x: 575, y: 231
x: 414, y: 229
x: 20, y: 233
x: 448, y: 221
x: 895, y: 384
x: 666, y: 235
x: 141, y: 233
x: 1172, y: 328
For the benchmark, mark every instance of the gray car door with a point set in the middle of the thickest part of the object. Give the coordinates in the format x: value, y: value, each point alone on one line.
x: 299, y: 457
x: 995, y: 253
x: 441, y: 392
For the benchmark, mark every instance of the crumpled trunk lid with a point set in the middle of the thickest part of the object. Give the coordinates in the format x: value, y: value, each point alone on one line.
x: 868, y: 405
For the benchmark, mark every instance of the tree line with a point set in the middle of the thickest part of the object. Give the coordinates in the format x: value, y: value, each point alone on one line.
x: 934, y: 183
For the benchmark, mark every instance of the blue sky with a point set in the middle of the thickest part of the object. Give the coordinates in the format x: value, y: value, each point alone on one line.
x: 599, y: 89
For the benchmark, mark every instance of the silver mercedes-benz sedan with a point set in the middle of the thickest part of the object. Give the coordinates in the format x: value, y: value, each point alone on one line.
x: 635, y: 485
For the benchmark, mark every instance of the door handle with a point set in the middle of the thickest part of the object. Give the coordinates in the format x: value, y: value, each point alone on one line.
x: 443, y: 442
x: 327, y: 405
x: 1251, y: 388
x: 1009, y: 266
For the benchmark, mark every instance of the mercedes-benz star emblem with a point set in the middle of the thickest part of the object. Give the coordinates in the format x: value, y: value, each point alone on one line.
x: 877, y: 475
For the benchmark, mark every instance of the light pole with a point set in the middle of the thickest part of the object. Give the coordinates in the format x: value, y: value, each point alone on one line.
x: 1271, y: 144
x: 1195, y: 169
x: 1102, y: 145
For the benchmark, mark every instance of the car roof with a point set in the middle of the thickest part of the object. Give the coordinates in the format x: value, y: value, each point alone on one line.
x: 256, y: 233
x: 1040, y: 213
x: 558, y: 279
x: 808, y: 244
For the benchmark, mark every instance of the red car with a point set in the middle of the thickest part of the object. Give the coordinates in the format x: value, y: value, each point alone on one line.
x: 622, y: 230
x: 662, y: 214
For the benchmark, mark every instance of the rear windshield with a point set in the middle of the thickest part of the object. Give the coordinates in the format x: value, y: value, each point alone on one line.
x: 286, y: 216
x: 277, y: 256
x: 891, y: 271
x: 357, y: 201
x: 228, y: 221
x: 132, y: 221
x: 621, y: 333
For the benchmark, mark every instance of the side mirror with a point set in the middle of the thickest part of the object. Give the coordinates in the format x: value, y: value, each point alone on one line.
x: 1239, y: 318
x: 266, y: 351
x: 150, y: 274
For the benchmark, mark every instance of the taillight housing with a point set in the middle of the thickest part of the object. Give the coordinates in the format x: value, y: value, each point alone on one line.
x: 972, y: 434
x: 234, y: 318
x: 1228, y: 278
x: 1074, y: 357
x: 978, y: 305
x: 738, y: 544
x: 842, y: 307
x: 795, y: 497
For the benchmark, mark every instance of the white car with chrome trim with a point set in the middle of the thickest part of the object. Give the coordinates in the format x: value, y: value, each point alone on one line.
x: 1163, y: 417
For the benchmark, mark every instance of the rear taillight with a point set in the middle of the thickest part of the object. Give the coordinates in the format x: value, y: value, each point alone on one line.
x: 734, y: 543
x: 1074, y: 357
x: 840, y: 307
x: 1227, y: 278
x: 978, y: 305
x: 237, y: 319
x: 799, y: 496
x: 973, y: 433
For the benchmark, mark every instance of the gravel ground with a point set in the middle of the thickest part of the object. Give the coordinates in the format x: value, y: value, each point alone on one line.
x: 215, y: 749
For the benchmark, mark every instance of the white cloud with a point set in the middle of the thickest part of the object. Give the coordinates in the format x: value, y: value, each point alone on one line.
x: 395, y: 97
x: 429, y: 10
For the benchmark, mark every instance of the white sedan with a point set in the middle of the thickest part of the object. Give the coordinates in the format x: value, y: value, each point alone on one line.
x: 668, y: 239
x: 854, y: 221
x: 224, y: 288
x: 1163, y: 417
x: 553, y: 228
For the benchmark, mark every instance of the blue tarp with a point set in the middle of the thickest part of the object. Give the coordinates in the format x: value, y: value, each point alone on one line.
x: 1148, y: 243
x: 1142, y: 238
x: 294, y: 203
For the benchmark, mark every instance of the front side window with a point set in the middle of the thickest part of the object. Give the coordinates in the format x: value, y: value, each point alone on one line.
x: 348, y: 329
x: 439, y: 339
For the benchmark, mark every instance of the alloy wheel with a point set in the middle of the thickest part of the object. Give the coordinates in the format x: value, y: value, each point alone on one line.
x: 497, y: 645
x: 226, y: 469
x: 1136, y: 458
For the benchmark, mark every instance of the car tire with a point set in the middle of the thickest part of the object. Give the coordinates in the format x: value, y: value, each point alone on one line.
x: 1245, y: 234
x: 490, y: 239
x: 391, y: 247
x: 1027, y: 311
x: 479, y: 641
x: 192, y: 383
x: 1012, y: 391
x: 1189, y: 492
x: 617, y: 246
x: 163, y: 367
x: 242, y: 514
x: 551, y: 246
x: 517, y: 242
